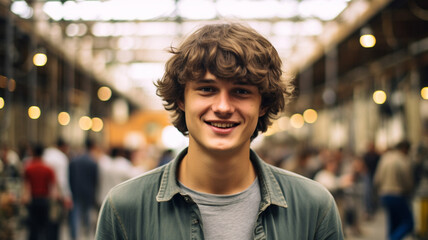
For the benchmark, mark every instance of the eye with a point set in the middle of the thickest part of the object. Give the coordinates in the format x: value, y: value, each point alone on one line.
x: 206, y: 89
x: 242, y: 91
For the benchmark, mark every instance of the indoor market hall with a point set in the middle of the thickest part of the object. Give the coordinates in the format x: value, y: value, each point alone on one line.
x: 83, y: 111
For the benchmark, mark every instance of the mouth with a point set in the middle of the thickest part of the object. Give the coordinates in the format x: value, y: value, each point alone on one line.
x: 222, y: 125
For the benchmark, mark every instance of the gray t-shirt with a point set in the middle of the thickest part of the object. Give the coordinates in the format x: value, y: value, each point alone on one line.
x: 228, y: 216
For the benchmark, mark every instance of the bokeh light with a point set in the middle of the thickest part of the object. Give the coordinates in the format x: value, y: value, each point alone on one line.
x: 64, y: 118
x: 104, y: 93
x: 297, y: 120
x: 97, y: 124
x: 1, y: 103
x: 85, y: 123
x: 379, y: 97
x: 310, y: 115
x: 367, y: 41
x: 40, y: 59
x: 34, y: 112
x: 424, y: 93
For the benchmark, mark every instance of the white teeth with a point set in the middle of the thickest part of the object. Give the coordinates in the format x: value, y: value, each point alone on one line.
x: 222, y: 125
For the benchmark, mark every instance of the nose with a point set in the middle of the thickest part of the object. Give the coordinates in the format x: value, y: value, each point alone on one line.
x: 223, y: 103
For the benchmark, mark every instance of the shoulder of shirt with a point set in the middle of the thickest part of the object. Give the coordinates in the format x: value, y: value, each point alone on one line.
x: 294, y: 184
x: 144, y: 184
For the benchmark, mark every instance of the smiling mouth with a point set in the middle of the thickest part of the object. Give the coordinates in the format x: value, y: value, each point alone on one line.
x: 222, y: 125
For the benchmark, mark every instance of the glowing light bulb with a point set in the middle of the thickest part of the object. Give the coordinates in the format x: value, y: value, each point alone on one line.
x: 97, y: 124
x: 64, y: 118
x: 104, y: 93
x: 297, y: 120
x: 310, y: 115
x: 379, y: 97
x: 424, y: 93
x: 1, y: 103
x: 34, y: 112
x: 40, y: 59
x: 85, y: 123
x: 367, y: 40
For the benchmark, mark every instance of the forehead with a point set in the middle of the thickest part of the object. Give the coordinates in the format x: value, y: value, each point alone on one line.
x: 211, y: 78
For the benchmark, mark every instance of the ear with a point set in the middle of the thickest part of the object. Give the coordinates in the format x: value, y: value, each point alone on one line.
x: 180, y: 104
x: 263, y: 111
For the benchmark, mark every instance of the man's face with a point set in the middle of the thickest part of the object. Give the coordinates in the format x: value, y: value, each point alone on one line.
x: 220, y: 115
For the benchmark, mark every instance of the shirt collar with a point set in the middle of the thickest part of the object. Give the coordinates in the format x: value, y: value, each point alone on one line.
x: 269, y: 187
x: 169, y: 183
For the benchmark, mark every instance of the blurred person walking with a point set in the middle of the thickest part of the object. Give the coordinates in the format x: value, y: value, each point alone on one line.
x: 330, y: 177
x: 114, y: 169
x: 394, y: 182
x: 104, y: 162
x: 337, y: 182
x: 56, y: 157
x: 371, y: 160
x: 83, y: 174
x: 353, y: 196
x: 39, y: 190
x: 122, y: 168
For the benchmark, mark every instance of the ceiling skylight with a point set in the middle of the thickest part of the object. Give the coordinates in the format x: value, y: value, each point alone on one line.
x: 130, y: 10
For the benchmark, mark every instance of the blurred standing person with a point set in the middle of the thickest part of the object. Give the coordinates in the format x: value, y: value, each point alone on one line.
x: 394, y: 182
x: 122, y: 168
x: 114, y: 169
x: 371, y: 159
x: 335, y: 181
x: 39, y: 189
x: 83, y: 174
x: 329, y: 177
x: 11, y: 163
x: 353, y: 196
x: 104, y: 162
x: 56, y: 157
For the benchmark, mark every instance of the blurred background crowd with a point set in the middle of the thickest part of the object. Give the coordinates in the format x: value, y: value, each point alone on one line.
x: 46, y: 189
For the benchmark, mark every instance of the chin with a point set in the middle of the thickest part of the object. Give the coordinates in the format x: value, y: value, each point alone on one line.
x: 225, y: 147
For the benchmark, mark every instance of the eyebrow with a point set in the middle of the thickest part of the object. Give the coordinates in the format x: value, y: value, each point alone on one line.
x: 209, y: 80
x: 205, y: 80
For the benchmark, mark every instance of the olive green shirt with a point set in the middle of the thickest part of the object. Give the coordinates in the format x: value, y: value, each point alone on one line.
x: 153, y: 206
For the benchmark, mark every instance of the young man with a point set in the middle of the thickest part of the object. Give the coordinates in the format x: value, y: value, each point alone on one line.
x: 223, y: 85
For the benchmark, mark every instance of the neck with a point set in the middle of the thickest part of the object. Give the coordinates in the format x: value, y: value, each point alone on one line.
x: 217, y: 173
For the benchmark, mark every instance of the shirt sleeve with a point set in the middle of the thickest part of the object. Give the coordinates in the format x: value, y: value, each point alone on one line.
x: 109, y: 226
x: 330, y: 225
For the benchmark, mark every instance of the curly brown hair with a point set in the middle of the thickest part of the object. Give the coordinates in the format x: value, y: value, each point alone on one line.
x: 232, y: 52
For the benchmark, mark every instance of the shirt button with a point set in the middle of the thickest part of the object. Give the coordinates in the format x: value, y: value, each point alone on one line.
x: 195, y: 221
x: 186, y: 198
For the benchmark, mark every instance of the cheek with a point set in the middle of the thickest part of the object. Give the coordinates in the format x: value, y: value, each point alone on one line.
x: 254, y: 115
